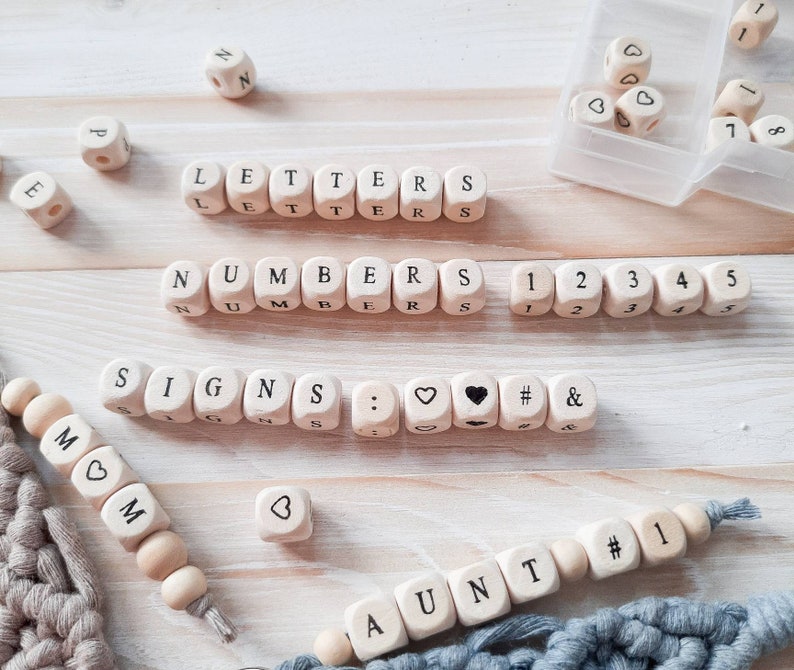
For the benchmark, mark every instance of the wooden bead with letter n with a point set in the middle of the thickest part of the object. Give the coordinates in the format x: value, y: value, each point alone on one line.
x: 42, y: 199
x: 230, y: 71
x: 183, y: 289
x: 479, y: 592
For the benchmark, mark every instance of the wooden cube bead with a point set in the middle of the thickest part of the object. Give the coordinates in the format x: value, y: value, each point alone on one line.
x: 592, y: 108
x: 660, y: 535
x: 531, y: 289
x: 375, y: 409
x: 277, y: 284
x: 741, y: 98
x: 247, y: 187
x: 570, y: 559
x: 425, y: 605
x: 122, y: 385
x: 204, y: 187
x: 43, y: 411
x: 335, y: 192
x: 161, y: 554
x: 523, y: 404
x: 639, y: 110
x: 283, y: 514
x: 375, y: 627
x: 104, y: 143
x: 577, y: 290
x: 726, y: 288
x: 369, y: 285
x: 726, y: 129
x: 461, y: 286
x: 475, y: 400
x: 627, y: 62
x: 773, y: 130
x: 67, y: 440
x: 169, y: 394
x: 231, y: 286
x: 133, y: 513
x: 628, y: 290
x: 415, y: 286
x: 752, y: 24
x: 100, y: 473
x: 230, y: 71
x: 378, y: 192
x: 611, y: 547
x: 529, y: 572
x: 465, y: 194
x: 428, y: 405
x: 421, y: 193
x: 695, y: 521
x: 678, y: 289
x: 479, y: 592
x: 184, y: 290
x: 332, y: 647
x: 290, y: 190
x: 323, y: 284
x: 267, y: 398
x: 218, y: 395
x: 17, y: 394
x: 573, y: 403
x: 42, y: 199
x: 183, y: 586
x: 317, y: 402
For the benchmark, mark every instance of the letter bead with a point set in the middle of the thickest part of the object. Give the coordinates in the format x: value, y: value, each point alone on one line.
x: 247, y: 187
x: 628, y: 290
x: 169, y: 394
x: 160, y: 554
x: 218, y: 395
x: 291, y: 190
x: 183, y: 289
x: 461, y: 286
x: 104, y: 143
x: 695, y: 521
x: 475, y: 400
x: 230, y: 71
x: 133, y: 513
x: 42, y: 199
x: 627, y: 62
x: 578, y: 288
x: 611, y: 547
x: 639, y: 110
x: 660, y: 535
x: 375, y: 627
x: 415, y: 286
x: 43, y: 411
x: 67, y: 440
x: 724, y: 129
x: 529, y: 572
x: 283, y: 514
x: 378, y: 192
x: 428, y: 405
x: 573, y: 403
x: 317, y: 402
x: 332, y: 647
x: 335, y: 192
x: 369, y: 285
x: 231, y: 286
x: 592, y: 108
x: 752, y: 24
x: 122, y: 385
x: 531, y: 289
x: 17, y: 394
x: 421, y: 193
x: 465, y: 193
x: 479, y: 592
x: 773, y: 131
x: 183, y: 586
x: 100, y: 473
x: 727, y: 288
x: 375, y: 409
x: 741, y: 98
x: 323, y: 283
x: 204, y: 187
x: 267, y: 398
x: 426, y: 606
x: 277, y: 284
x: 678, y: 290
x: 523, y: 404
x: 570, y: 559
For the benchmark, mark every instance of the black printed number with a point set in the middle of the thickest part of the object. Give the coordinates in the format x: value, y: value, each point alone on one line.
x: 678, y: 310
x: 732, y: 126
x: 634, y: 282
x: 577, y: 309
x: 681, y: 281
x: 632, y: 306
x: 731, y: 278
x: 727, y: 308
x: 531, y: 281
x: 582, y: 276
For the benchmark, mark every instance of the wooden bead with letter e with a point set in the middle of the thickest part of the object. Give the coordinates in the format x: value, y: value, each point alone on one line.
x: 230, y: 71
x: 267, y: 398
x: 369, y: 285
x: 752, y: 24
x: 247, y: 187
x: 378, y: 192
x: 465, y: 193
x: 639, y: 110
x: 41, y: 199
x: 627, y: 62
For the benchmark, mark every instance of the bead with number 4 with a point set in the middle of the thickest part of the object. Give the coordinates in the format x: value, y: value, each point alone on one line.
x: 628, y: 290
x: 727, y: 288
x: 773, y: 131
x: 678, y: 290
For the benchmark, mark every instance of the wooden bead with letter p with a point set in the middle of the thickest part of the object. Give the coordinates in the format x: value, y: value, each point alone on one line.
x: 479, y: 592
x: 639, y: 110
x: 41, y: 199
x: 104, y: 143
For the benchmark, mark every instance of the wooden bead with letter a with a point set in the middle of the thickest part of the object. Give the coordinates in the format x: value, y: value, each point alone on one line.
x: 375, y: 626
x: 639, y: 110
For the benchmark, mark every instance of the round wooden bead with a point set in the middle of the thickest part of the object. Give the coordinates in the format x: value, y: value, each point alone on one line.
x: 17, y: 394
x: 332, y: 647
x: 183, y: 586
x: 570, y: 557
x: 161, y: 554
x: 43, y: 411
x: 695, y: 521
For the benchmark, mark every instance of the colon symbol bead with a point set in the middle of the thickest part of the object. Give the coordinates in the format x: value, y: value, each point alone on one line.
x: 627, y: 62
x: 230, y: 71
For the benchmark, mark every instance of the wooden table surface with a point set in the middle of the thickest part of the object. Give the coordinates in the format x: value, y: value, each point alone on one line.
x: 689, y: 409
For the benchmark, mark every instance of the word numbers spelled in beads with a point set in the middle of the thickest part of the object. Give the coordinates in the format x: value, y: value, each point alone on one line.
x: 752, y: 24
x: 42, y: 199
x: 485, y: 590
x: 283, y: 514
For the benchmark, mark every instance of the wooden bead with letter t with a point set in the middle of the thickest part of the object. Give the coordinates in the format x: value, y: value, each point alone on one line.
x: 334, y: 188
x: 752, y: 24
x: 639, y: 110
x: 230, y: 71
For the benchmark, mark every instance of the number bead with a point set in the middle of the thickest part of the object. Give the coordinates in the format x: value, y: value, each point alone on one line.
x: 752, y: 24
x: 678, y: 290
x: 332, y: 646
x: 773, y: 131
x: 660, y: 534
x: 741, y: 98
x: 17, y: 394
x: 578, y: 288
x: 726, y: 129
x: 628, y: 290
x: 727, y: 289
x: 531, y: 289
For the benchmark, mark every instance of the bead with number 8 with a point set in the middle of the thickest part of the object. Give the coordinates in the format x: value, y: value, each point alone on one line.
x: 773, y: 131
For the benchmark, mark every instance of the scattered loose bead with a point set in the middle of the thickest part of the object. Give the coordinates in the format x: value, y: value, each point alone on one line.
x: 183, y: 586
x: 570, y: 558
x: 17, y: 394
x: 161, y: 554
x: 230, y: 71
x: 332, y: 647
x: 43, y: 411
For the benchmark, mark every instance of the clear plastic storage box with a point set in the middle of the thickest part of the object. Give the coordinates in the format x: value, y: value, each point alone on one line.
x: 692, y: 60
